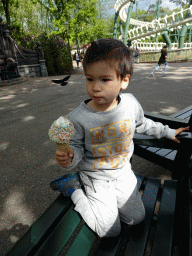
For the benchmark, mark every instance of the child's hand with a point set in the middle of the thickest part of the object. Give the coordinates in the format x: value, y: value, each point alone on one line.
x: 178, y: 131
x: 63, y: 159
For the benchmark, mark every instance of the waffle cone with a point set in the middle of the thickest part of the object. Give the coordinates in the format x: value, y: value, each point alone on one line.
x: 64, y: 147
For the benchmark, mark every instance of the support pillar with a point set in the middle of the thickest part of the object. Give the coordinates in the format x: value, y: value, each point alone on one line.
x: 182, y: 36
x: 165, y: 35
x: 136, y: 11
x: 115, y: 25
x: 121, y: 28
x: 183, y: 32
x: 128, y: 21
x: 43, y: 68
x: 157, y: 17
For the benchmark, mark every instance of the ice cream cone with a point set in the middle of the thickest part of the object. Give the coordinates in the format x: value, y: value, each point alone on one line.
x: 64, y: 147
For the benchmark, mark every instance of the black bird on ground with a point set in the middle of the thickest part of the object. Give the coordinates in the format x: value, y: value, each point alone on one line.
x: 62, y: 82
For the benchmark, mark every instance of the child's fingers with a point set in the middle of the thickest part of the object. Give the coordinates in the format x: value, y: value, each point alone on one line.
x: 176, y: 140
x: 71, y: 152
x: 63, y: 161
x: 182, y: 129
x: 62, y: 158
x: 60, y: 153
x: 187, y: 128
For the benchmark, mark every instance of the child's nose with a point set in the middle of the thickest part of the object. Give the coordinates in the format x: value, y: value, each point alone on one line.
x: 96, y: 87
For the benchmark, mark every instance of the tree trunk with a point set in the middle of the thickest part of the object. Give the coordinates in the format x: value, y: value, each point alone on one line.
x: 6, y: 10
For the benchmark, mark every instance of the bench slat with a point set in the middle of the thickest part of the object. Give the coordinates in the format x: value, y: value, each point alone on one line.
x: 140, y: 179
x: 161, y: 156
x: 154, y: 158
x: 142, y: 146
x: 164, y: 230
x: 136, y: 246
x: 83, y: 243
x: 38, y: 231
x: 187, y: 110
x: 60, y: 235
x: 171, y: 155
x: 153, y: 149
x: 186, y: 116
x: 190, y: 216
x: 110, y: 246
x: 163, y: 152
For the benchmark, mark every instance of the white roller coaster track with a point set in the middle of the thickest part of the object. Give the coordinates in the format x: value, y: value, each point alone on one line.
x: 147, y: 29
x: 121, y: 6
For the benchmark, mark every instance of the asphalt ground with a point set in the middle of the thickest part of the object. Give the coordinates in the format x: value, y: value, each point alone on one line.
x: 27, y: 111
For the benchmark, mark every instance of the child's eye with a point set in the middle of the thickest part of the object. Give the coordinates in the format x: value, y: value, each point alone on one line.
x: 105, y: 80
x: 89, y: 79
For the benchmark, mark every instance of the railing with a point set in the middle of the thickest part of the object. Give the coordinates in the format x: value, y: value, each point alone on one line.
x: 160, y: 23
x: 157, y: 46
x: 150, y: 29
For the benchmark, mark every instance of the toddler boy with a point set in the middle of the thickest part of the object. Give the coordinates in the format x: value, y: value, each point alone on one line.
x: 103, y: 143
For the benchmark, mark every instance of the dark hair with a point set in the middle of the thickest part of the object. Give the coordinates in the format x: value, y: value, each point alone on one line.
x: 165, y: 46
x: 112, y: 50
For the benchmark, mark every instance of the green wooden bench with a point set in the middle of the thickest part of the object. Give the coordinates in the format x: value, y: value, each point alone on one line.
x: 161, y: 155
x: 167, y: 226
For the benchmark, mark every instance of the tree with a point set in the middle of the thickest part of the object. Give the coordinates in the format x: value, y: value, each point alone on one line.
x: 105, y: 7
x: 152, y: 8
x: 26, y: 16
x: 181, y: 2
x: 144, y: 15
x: 5, y: 7
x: 82, y: 17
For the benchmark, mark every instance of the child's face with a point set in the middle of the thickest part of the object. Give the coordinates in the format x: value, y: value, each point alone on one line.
x: 103, y: 85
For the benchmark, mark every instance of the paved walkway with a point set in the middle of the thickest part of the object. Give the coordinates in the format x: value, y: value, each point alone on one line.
x: 27, y: 110
x: 164, y: 93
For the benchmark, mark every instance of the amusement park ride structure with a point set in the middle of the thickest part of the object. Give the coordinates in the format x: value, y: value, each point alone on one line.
x: 180, y: 21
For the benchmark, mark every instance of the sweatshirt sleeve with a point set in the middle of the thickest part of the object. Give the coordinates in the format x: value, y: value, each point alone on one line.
x: 76, y: 143
x: 149, y: 127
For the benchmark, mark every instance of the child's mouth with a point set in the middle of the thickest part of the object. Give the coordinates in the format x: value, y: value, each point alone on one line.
x: 97, y: 98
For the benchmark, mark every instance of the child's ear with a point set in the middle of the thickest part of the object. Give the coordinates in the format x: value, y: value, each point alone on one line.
x: 125, y: 82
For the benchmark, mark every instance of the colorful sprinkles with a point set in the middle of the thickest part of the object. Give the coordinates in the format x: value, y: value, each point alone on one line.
x: 61, y: 132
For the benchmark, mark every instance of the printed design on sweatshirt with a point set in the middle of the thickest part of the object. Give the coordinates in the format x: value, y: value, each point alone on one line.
x: 110, y: 144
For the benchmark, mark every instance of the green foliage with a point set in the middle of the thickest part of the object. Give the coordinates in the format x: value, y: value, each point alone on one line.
x: 24, y: 39
x: 29, y: 15
x: 82, y: 16
x: 150, y: 14
x: 56, y: 54
x: 29, y: 18
x: 181, y: 2
x: 56, y: 51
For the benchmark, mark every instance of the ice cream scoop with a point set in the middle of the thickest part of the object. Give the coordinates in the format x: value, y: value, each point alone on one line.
x: 61, y: 131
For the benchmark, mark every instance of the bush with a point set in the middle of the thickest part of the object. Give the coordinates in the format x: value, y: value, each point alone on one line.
x: 56, y: 51
x: 57, y: 54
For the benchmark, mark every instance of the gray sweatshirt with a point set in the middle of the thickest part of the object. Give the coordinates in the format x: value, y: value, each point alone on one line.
x: 103, y: 141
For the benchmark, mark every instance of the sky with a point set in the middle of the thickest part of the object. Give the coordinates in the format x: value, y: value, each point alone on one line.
x: 144, y: 4
x: 166, y: 3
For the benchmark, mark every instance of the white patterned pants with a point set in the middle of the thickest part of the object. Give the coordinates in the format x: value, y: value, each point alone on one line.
x: 105, y: 203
